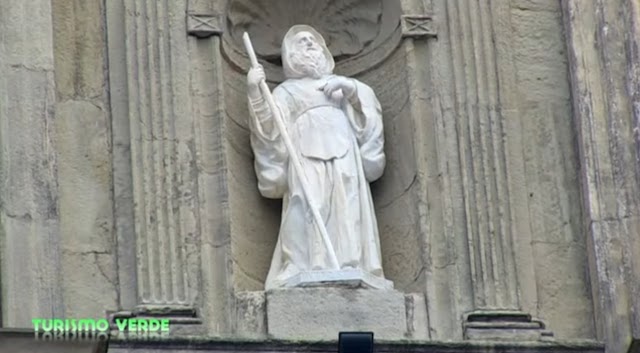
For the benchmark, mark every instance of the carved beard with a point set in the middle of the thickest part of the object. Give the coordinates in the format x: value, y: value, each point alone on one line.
x: 311, y: 63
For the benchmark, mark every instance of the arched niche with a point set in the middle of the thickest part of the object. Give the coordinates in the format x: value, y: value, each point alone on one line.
x: 365, y: 38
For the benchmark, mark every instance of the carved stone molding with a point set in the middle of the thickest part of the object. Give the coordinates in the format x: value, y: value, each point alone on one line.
x: 418, y: 26
x: 204, y: 25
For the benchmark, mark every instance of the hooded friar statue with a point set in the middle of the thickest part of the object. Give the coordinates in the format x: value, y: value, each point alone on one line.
x: 335, y: 126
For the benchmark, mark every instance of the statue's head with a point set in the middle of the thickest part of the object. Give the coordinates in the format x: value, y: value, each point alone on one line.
x: 305, y: 54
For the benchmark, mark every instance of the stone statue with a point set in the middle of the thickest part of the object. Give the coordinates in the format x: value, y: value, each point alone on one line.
x: 335, y: 127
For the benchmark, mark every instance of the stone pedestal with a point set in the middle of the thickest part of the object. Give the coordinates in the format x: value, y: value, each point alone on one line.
x: 321, y: 313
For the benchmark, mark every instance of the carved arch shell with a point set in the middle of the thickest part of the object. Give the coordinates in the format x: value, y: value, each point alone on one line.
x: 359, y: 33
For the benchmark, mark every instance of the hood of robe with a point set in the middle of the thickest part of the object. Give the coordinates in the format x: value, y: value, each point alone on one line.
x: 288, y: 46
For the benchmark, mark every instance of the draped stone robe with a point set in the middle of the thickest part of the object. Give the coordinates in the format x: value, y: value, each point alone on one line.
x: 339, y: 143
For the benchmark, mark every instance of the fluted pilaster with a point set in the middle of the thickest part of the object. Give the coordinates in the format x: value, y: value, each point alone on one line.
x: 483, y: 160
x: 482, y: 149
x: 160, y: 158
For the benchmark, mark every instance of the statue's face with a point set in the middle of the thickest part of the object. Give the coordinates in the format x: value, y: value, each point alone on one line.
x: 305, y: 42
x: 307, y: 56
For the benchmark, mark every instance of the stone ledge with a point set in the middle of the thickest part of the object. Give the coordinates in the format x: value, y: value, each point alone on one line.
x: 26, y: 341
x: 226, y: 345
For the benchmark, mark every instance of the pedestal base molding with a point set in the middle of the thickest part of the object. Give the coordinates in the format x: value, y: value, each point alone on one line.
x: 504, y: 326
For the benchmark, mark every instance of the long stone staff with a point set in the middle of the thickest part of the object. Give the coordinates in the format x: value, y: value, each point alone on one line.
x: 292, y: 153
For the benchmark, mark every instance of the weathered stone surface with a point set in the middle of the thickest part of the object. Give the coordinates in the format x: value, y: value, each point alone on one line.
x: 320, y: 313
x: 417, y: 317
x: 251, y: 314
x: 603, y: 38
x: 551, y: 186
x: 29, y: 199
x: 207, y: 90
x: 83, y: 138
x: 395, y: 194
x: 121, y: 157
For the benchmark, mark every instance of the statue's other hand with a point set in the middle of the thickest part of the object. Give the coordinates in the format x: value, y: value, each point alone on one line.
x: 254, y: 77
x: 347, y: 86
